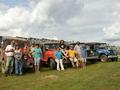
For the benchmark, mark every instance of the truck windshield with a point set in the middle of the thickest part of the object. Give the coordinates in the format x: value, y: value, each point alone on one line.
x: 101, y: 46
x: 51, y: 46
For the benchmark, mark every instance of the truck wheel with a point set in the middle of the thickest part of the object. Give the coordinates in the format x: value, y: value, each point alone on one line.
x: 103, y: 58
x: 52, y: 64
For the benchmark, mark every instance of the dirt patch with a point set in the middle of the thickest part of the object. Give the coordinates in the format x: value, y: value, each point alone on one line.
x: 49, y: 77
x: 117, y: 74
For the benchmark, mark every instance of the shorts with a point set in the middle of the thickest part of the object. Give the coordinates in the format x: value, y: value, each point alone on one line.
x: 36, y: 61
x: 73, y: 59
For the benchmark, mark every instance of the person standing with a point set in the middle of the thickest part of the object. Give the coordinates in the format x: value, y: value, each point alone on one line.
x: 32, y: 49
x: 37, y: 54
x: 9, y: 51
x: 62, y: 47
x: 18, y: 61
x: 59, y: 59
x: 77, y: 48
x: 26, y: 48
x: 84, y: 55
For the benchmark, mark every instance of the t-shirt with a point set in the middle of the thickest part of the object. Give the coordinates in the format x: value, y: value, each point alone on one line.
x: 72, y: 53
x: 84, y: 52
x: 37, y: 52
x: 58, y: 54
x: 9, y: 51
x: 78, y: 49
x: 18, y: 54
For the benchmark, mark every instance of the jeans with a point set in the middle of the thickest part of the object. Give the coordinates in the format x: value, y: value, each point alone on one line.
x: 18, y: 67
x: 9, y: 65
x: 59, y: 64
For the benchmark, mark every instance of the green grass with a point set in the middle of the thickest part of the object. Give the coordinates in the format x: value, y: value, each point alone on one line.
x: 100, y: 76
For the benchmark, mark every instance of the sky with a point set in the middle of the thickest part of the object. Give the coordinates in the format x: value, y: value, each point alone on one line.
x: 79, y: 20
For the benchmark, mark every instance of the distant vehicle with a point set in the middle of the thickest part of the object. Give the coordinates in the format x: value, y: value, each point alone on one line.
x: 100, y: 51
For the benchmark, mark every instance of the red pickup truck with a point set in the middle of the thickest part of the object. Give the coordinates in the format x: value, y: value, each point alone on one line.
x: 48, y: 58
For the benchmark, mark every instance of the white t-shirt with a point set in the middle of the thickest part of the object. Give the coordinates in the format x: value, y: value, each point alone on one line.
x: 8, y: 48
x: 78, y: 49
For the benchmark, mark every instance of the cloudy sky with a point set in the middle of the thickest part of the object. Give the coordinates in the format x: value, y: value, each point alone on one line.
x: 83, y: 20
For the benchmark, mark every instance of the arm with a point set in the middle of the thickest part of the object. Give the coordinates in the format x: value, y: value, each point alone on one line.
x: 40, y: 51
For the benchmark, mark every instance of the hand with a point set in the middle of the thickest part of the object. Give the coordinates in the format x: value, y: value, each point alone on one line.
x: 10, y: 50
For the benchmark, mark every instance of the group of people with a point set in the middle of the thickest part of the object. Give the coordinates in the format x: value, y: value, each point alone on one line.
x: 75, y: 54
x: 15, y: 55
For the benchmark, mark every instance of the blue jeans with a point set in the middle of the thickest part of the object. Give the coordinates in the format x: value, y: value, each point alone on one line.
x: 18, y: 67
x: 9, y: 65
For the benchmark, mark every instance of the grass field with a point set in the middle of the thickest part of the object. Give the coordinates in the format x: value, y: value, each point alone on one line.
x: 100, y: 76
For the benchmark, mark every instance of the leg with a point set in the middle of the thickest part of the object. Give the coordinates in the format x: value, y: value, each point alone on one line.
x: 16, y: 67
x: 57, y: 61
x: 38, y: 64
x: 72, y: 61
x: 76, y: 62
x: 84, y: 63
x: 61, y: 64
x: 79, y: 62
x: 7, y: 65
x: 11, y: 65
x: 35, y: 64
x: 20, y: 67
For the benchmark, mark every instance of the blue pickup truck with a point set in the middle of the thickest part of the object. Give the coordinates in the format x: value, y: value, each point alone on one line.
x: 101, y: 52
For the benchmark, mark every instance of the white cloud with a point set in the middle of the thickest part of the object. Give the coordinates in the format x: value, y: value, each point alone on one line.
x: 82, y: 20
x: 42, y: 19
x: 112, y: 31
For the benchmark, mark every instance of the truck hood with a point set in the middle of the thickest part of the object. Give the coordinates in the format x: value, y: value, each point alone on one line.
x: 106, y: 51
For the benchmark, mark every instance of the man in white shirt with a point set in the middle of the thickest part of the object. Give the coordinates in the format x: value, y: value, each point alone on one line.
x: 9, y: 51
x: 77, y: 48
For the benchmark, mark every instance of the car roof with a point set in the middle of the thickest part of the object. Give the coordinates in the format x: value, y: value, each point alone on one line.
x: 14, y: 38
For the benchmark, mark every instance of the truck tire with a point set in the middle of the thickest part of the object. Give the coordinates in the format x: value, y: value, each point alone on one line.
x: 52, y: 64
x: 103, y: 58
